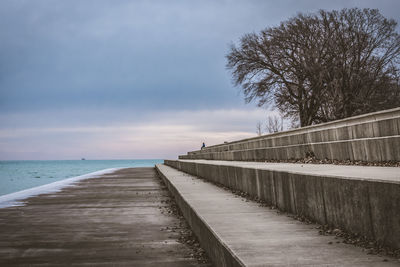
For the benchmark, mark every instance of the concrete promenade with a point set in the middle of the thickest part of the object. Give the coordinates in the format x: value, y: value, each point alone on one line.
x: 236, y: 232
x: 118, y: 219
x: 358, y: 199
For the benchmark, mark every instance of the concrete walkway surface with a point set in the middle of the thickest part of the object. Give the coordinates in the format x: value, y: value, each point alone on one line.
x: 114, y: 220
x: 236, y: 232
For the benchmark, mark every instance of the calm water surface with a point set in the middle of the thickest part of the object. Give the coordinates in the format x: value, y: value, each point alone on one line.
x: 23, y: 174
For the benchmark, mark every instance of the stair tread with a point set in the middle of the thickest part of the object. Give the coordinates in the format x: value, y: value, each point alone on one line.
x: 259, y: 236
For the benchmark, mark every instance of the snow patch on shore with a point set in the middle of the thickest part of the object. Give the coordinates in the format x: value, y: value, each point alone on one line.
x: 14, y: 199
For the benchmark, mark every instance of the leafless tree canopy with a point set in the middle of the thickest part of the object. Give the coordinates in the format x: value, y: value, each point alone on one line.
x: 274, y: 124
x: 321, y: 67
x: 259, y: 128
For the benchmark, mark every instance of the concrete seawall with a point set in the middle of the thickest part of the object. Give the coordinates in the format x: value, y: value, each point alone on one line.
x: 366, y: 207
x: 368, y: 149
x: 369, y: 137
x: 377, y: 124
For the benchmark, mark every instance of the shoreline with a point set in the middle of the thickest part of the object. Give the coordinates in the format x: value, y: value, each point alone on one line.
x: 16, y: 198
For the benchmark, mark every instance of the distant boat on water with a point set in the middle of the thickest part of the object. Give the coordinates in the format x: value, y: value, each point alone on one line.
x: 82, y: 158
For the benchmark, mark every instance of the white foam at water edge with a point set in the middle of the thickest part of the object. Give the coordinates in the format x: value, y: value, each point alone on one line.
x: 13, y: 199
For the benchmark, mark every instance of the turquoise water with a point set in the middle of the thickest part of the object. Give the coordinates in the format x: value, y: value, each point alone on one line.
x: 23, y: 174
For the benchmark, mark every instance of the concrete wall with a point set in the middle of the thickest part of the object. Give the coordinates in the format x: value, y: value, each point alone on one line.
x: 382, y: 123
x: 367, y: 149
x: 370, y: 137
x: 368, y: 208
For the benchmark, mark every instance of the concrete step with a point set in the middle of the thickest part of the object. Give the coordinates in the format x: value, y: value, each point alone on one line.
x: 371, y: 129
x: 358, y: 199
x: 236, y: 232
x: 375, y: 149
x: 368, y: 126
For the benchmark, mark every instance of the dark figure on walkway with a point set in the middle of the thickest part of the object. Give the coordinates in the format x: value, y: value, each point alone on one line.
x: 203, y: 146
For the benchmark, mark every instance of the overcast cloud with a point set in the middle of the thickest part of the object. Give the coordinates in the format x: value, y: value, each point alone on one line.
x: 129, y: 79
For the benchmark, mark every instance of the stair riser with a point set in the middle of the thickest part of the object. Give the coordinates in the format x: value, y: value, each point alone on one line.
x: 373, y: 150
x: 387, y: 127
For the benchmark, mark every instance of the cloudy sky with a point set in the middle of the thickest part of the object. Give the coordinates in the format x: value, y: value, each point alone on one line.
x: 130, y: 79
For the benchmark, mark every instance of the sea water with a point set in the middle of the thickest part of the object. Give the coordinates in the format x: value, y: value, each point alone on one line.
x: 20, y: 175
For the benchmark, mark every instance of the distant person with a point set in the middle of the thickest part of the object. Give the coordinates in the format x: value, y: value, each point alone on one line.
x: 203, y: 146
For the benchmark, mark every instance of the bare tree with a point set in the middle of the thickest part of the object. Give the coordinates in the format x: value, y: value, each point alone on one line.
x: 274, y: 124
x: 362, y: 71
x: 323, y: 66
x: 259, y: 128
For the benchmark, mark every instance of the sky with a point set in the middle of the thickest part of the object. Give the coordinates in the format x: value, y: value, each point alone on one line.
x: 116, y: 79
